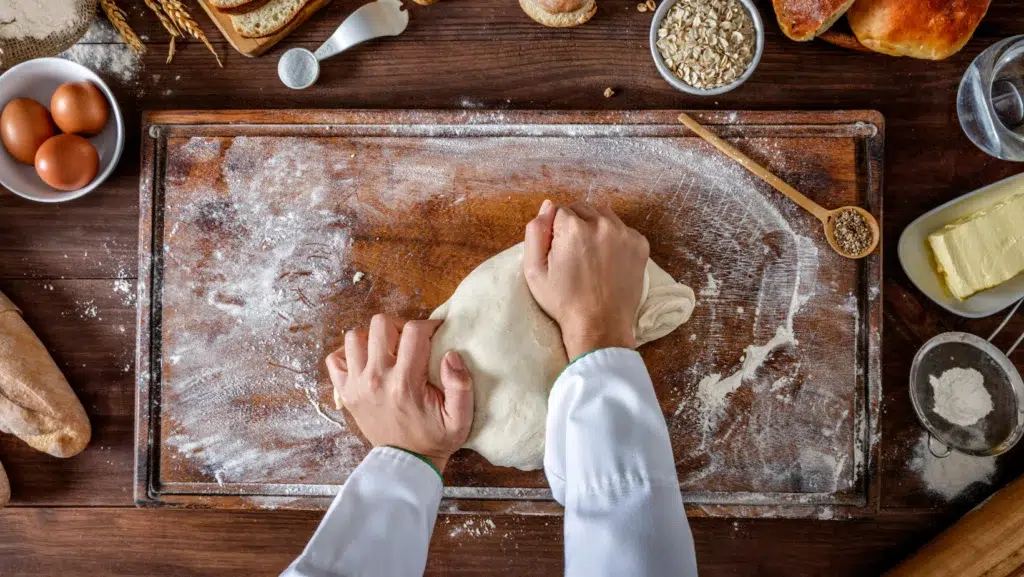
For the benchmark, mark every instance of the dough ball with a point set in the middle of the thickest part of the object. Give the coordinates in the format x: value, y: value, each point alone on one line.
x: 514, y: 351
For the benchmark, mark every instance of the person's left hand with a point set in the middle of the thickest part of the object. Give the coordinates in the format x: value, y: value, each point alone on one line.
x: 381, y: 378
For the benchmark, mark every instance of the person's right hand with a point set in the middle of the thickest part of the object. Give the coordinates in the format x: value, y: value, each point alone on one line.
x: 585, y: 268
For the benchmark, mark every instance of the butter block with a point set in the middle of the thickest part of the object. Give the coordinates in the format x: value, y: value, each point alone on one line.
x: 981, y: 250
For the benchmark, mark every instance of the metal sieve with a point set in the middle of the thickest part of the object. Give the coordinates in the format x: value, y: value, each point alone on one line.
x: 997, y: 432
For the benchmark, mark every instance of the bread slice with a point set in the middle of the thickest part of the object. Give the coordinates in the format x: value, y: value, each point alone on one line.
x: 236, y: 6
x: 916, y: 28
x: 267, y: 19
x: 804, y: 20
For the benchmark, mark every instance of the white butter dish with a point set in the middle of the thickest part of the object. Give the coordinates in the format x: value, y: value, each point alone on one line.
x: 916, y: 258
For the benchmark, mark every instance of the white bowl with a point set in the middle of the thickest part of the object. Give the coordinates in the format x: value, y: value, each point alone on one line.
x: 38, y: 79
x: 671, y: 78
x: 916, y: 256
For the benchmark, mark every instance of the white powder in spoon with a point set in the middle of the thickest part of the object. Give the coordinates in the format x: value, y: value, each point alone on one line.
x: 960, y: 396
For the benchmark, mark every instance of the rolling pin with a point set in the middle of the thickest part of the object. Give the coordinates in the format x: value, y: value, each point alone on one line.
x: 987, y: 542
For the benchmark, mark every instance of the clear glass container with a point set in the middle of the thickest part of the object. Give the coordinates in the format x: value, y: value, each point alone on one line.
x: 990, y: 102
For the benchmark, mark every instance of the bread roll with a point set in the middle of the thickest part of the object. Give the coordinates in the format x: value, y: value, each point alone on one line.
x: 5, y: 487
x: 36, y: 403
x: 559, y: 13
x: 804, y: 20
x: 930, y: 29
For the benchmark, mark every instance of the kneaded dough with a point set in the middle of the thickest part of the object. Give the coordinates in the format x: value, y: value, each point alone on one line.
x: 514, y: 351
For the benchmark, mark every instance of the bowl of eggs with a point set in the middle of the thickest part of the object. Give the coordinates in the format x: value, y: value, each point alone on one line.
x: 61, y: 131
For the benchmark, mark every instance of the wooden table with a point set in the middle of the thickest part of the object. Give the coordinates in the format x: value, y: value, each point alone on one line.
x: 72, y: 266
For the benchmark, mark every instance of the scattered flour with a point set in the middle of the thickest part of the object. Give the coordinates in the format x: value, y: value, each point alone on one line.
x: 960, y: 396
x: 125, y: 289
x: 471, y: 528
x: 115, y: 60
x: 37, y: 19
x: 950, y: 476
x: 242, y: 389
x: 358, y: 276
x: 711, y: 288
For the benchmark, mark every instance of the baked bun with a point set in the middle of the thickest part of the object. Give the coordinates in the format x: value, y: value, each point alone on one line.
x: 930, y: 29
x: 559, y: 13
x: 803, y: 20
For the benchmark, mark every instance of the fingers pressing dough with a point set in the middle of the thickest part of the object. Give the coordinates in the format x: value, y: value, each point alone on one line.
x: 514, y: 351
x: 36, y: 403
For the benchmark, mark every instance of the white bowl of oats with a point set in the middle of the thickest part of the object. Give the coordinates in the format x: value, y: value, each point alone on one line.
x: 706, y: 47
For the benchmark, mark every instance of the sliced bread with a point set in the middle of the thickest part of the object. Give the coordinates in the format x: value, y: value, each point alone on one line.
x: 236, y: 6
x: 267, y: 19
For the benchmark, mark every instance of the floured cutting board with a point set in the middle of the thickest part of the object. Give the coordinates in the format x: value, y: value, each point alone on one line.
x: 265, y: 234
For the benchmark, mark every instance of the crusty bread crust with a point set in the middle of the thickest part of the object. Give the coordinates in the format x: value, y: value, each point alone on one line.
x: 36, y: 403
x: 559, y: 13
x: 929, y: 29
x: 5, y: 487
x: 804, y: 20
x: 237, y: 6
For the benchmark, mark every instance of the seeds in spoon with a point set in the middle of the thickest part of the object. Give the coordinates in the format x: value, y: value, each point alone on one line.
x: 852, y: 233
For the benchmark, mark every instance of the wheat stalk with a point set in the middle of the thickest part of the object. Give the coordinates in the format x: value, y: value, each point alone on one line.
x: 117, y: 18
x: 179, y: 15
x: 168, y: 25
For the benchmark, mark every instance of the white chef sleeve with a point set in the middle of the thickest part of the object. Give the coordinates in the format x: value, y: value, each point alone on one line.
x: 379, y: 524
x: 609, y: 462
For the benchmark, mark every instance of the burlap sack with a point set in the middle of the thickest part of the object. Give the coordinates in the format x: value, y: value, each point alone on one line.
x: 36, y: 403
x: 15, y: 50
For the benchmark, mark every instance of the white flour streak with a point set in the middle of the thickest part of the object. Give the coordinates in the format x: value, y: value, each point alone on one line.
x: 950, y: 476
x: 241, y: 387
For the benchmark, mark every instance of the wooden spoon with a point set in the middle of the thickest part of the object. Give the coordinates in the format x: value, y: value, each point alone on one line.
x: 827, y: 217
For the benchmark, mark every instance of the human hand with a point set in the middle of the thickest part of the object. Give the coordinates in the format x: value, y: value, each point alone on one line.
x: 381, y: 377
x: 585, y: 268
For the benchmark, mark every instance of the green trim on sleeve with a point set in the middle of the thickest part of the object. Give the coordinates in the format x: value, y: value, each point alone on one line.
x: 573, y: 362
x: 422, y: 458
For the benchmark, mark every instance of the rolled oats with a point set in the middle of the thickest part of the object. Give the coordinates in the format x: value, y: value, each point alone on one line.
x: 707, y: 43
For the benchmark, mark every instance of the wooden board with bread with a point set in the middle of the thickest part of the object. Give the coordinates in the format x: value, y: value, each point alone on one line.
x: 254, y: 26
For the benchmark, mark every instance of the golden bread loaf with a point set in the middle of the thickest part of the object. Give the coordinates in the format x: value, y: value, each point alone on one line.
x: 804, y: 20
x: 929, y: 29
x: 37, y: 404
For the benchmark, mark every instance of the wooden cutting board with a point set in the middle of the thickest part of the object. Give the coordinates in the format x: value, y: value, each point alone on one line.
x: 253, y: 47
x: 265, y: 234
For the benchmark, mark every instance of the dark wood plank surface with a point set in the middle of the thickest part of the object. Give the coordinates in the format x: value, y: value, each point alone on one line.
x: 76, y: 516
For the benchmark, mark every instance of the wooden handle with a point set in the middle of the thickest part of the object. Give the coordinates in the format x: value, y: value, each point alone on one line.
x: 758, y: 170
x: 987, y: 542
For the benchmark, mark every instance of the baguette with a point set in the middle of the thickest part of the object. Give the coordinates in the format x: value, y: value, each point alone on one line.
x: 36, y: 403
x: 5, y: 487
x: 267, y: 19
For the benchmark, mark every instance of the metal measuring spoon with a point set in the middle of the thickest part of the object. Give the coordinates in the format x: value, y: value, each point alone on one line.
x: 299, y: 68
x: 826, y: 216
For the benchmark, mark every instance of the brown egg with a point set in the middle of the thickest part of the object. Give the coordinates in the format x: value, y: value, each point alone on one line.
x: 79, y: 108
x: 24, y: 127
x: 67, y: 162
